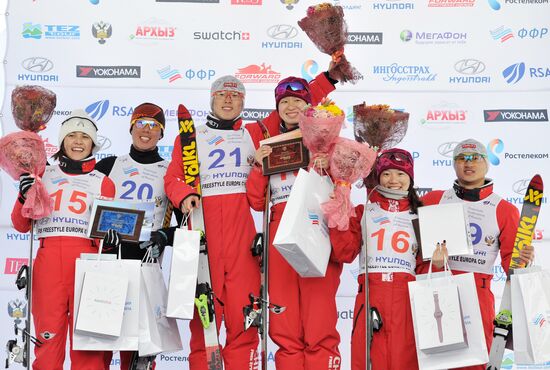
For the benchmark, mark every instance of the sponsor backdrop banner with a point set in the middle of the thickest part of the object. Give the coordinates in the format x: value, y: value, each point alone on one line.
x: 488, y: 79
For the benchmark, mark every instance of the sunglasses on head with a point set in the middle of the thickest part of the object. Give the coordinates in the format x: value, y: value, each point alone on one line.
x: 294, y: 86
x: 396, y: 157
x: 153, y: 125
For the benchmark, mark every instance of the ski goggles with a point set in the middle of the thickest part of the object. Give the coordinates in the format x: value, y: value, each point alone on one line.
x: 222, y: 94
x: 396, y: 157
x: 474, y: 157
x: 153, y: 125
x: 292, y: 85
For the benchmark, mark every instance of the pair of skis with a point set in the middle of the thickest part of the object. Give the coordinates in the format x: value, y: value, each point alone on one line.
x: 524, y: 235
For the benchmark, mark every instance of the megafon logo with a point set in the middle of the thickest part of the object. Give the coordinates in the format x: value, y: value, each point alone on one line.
x: 513, y: 73
x: 495, y: 147
x: 98, y: 109
x: 309, y: 69
x: 254, y: 73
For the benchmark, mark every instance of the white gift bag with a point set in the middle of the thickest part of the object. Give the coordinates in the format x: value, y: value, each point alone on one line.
x: 101, y: 306
x: 183, y: 274
x: 476, y: 351
x: 157, y: 333
x: 531, y: 315
x: 302, y: 237
x: 129, y: 334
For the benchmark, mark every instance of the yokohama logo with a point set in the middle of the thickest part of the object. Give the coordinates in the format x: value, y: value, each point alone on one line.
x: 516, y: 115
x: 108, y: 71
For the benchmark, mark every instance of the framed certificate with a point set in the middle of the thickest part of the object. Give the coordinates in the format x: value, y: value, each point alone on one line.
x: 133, y: 221
x: 288, y: 153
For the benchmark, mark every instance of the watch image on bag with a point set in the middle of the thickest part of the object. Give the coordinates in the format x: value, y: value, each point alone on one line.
x: 437, y: 316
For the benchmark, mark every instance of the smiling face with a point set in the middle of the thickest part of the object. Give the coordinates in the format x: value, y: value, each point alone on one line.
x: 77, y: 145
x: 289, y: 110
x: 395, y: 179
x: 471, y: 170
x: 144, y: 138
x: 227, y: 105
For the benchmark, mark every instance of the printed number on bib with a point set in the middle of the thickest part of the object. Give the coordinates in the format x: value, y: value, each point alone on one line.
x: 144, y: 191
x: 475, y: 233
x: 77, y: 201
x: 219, y: 155
x: 399, y: 240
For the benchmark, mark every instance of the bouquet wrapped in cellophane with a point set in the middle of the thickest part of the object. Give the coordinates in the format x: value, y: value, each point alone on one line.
x: 32, y: 107
x: 326, y: 28
x: 349, y: 162
x: 320, y: 126
x: 23, y: 152
x: 379, y: 126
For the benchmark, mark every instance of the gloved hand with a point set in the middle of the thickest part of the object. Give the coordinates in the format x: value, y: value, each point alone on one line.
x: 111, y: 240
x: 157, y: 242
x: 26, y: 180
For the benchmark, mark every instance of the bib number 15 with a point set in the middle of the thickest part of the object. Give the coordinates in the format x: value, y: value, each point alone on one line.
x: 399, y: 240
x: 77, y: 201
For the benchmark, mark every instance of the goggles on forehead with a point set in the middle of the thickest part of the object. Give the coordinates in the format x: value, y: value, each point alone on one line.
x: 293, y: 86
x: 396, y: 157
x: 474, y: 157
x: 153, y: 125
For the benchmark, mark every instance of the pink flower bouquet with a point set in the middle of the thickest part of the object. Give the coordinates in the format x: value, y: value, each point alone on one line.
x: 349, y: 162
x: 326, y: 28
x: 23, y: 152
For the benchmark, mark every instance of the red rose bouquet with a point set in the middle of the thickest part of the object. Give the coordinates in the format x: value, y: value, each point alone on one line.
x: 349, y: 162
x: 326, y: 28
x: 32, y: 107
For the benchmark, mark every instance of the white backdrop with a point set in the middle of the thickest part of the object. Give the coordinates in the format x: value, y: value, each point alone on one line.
x: 462, y: 68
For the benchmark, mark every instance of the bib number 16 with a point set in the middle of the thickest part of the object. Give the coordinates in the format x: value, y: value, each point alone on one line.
x: 399, y: 240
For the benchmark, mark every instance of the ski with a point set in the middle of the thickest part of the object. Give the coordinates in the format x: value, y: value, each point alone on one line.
x: 524, y: 235
x: 22, y: 353
x: 204, y: 300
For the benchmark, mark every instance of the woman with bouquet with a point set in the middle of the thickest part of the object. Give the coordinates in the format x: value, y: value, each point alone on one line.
x: 306, y: 331
x: 72, y: 185
x: 388, y: 216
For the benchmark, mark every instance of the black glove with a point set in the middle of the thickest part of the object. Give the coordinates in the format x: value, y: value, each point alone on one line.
x: 111, y: 240
x: 26, y: 180
x: 157, y: 242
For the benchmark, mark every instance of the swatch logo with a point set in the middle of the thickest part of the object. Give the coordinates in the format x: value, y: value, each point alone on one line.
x: 495, y: 147
x: 309, y: 69
x: 98, y: 109
x: 494, y: 4
x: 512, y: 74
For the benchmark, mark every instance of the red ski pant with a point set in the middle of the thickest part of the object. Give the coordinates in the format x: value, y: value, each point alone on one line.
x: 393, y: 347
x: 306, y: 331
x: 487, y: 307
x: 52, y: 303
x: 235, y: 274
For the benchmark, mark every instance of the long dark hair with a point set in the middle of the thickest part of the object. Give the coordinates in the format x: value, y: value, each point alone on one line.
x: 414, y: 199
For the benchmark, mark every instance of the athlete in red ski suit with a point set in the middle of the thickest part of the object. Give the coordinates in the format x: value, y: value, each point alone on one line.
x: 306, y: 331
x: 493, y: 225
x: 392, y: 259
x: 228, y: 221
x: 73, y: 185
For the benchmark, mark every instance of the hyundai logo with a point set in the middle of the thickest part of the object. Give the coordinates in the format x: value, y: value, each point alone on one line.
x: 104, y: 142
x: 469, y: 66
x: 446, y: 149
x: 282, y: 32
x: 37, y: 64
x: 520, y: 186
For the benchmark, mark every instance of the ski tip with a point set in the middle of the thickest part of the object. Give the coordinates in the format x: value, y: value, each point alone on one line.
x: 536, y: 182
x: 183, y: 113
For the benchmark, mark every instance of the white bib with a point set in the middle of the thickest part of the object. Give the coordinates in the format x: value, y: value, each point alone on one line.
x: 136, y: 181
x: 281, y: 186
x: 225, y: 158
x: 391, y: 242
x: 73, y: 196
x: 484, y: 230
